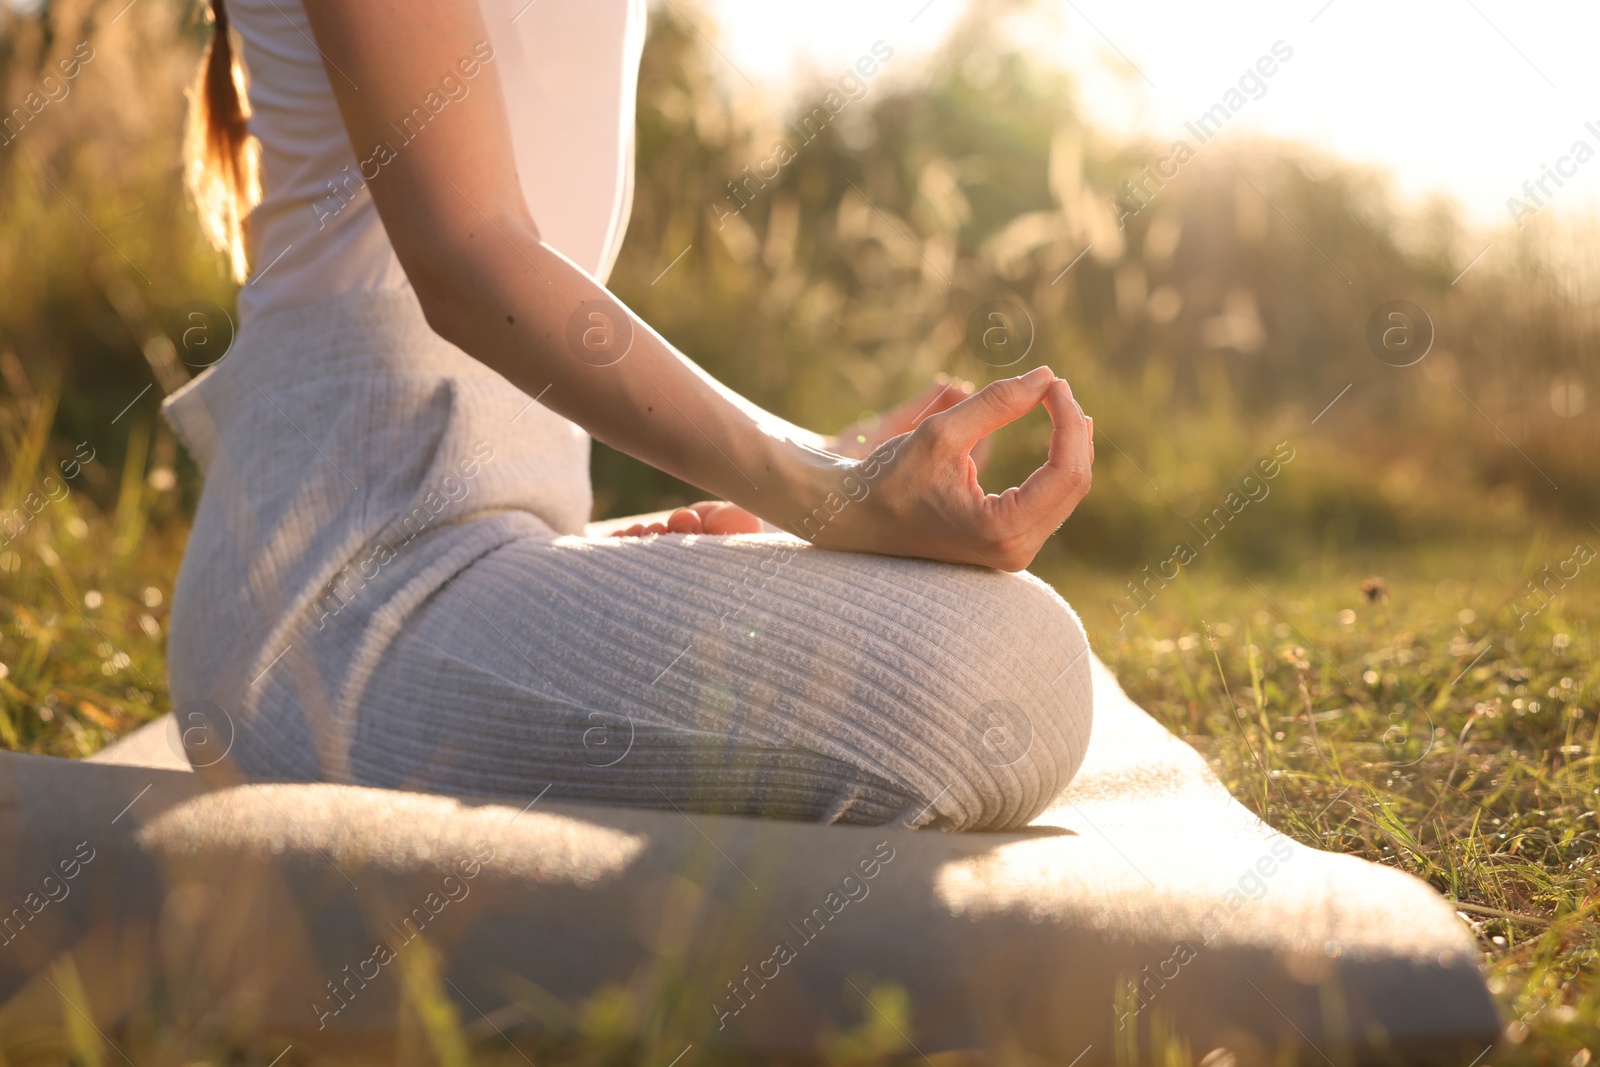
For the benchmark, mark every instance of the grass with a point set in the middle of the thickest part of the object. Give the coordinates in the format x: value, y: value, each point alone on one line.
x: 1420, y: 720
x: 83, y: 591
x: 1426, y: 719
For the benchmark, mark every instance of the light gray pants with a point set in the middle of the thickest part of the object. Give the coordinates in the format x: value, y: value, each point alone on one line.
x: 748, y: 675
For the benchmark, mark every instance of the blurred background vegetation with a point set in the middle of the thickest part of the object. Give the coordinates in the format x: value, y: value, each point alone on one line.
x: 1224, y: 318
x: 1221, y: 319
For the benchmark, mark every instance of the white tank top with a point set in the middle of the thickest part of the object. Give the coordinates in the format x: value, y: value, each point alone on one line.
x: 569, y: 72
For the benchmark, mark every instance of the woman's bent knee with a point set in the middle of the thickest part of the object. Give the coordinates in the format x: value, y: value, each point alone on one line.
x: 1020, y: 717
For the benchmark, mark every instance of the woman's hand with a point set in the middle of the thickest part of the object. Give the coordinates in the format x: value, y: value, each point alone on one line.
x: 918, y: 495
x: 858, y: 440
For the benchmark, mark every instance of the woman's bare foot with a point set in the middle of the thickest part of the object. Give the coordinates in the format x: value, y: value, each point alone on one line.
x: 706, y: 517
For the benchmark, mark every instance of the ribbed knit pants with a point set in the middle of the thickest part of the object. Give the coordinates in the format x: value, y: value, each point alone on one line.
x: 745, y: 675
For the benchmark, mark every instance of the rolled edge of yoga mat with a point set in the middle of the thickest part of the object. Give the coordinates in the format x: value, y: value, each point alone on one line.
x: 313, y: 911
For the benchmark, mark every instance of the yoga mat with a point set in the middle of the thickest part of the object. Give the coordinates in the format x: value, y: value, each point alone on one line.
x: 1146, y: 910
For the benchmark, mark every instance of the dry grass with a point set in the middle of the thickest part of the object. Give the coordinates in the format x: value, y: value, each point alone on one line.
x: 1419, y: 721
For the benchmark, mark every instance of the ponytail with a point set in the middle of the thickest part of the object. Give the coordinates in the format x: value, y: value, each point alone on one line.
x: 221, y: 159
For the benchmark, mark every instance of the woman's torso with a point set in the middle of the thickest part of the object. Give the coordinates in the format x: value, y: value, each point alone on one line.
x: 568, y: 70
x: 353, y: 459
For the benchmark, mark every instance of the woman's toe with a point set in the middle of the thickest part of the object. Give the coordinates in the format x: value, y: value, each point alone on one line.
x: 731, y: 519
x: 685, y: 521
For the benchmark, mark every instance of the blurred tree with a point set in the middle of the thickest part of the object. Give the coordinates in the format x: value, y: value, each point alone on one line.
x: 1221, y: 317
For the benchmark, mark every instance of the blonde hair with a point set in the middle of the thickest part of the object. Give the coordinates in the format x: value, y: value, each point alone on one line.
x: 221, y: 159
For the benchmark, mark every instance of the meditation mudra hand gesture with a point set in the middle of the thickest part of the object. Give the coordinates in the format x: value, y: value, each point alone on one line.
x: 859, y: 441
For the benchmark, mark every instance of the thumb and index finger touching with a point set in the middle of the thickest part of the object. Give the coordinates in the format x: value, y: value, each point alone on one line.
x: 1052, y: 491
x: 992, y: 407
x: 1055, y: 488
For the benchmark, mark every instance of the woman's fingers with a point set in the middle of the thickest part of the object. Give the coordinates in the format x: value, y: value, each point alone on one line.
x: 1051, y: 492
x: 1017, y: 522
x: 980, y: 453
x: 927, y: 503
x: 996, y: 404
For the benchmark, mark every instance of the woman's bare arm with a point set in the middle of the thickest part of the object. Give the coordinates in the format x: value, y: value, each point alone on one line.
x: 455, y: 213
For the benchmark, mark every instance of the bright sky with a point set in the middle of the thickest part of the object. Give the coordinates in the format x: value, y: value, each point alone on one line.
x: 1467, y: 97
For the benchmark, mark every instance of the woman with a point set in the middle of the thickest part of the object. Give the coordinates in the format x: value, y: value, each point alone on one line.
x: 388, y: 581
